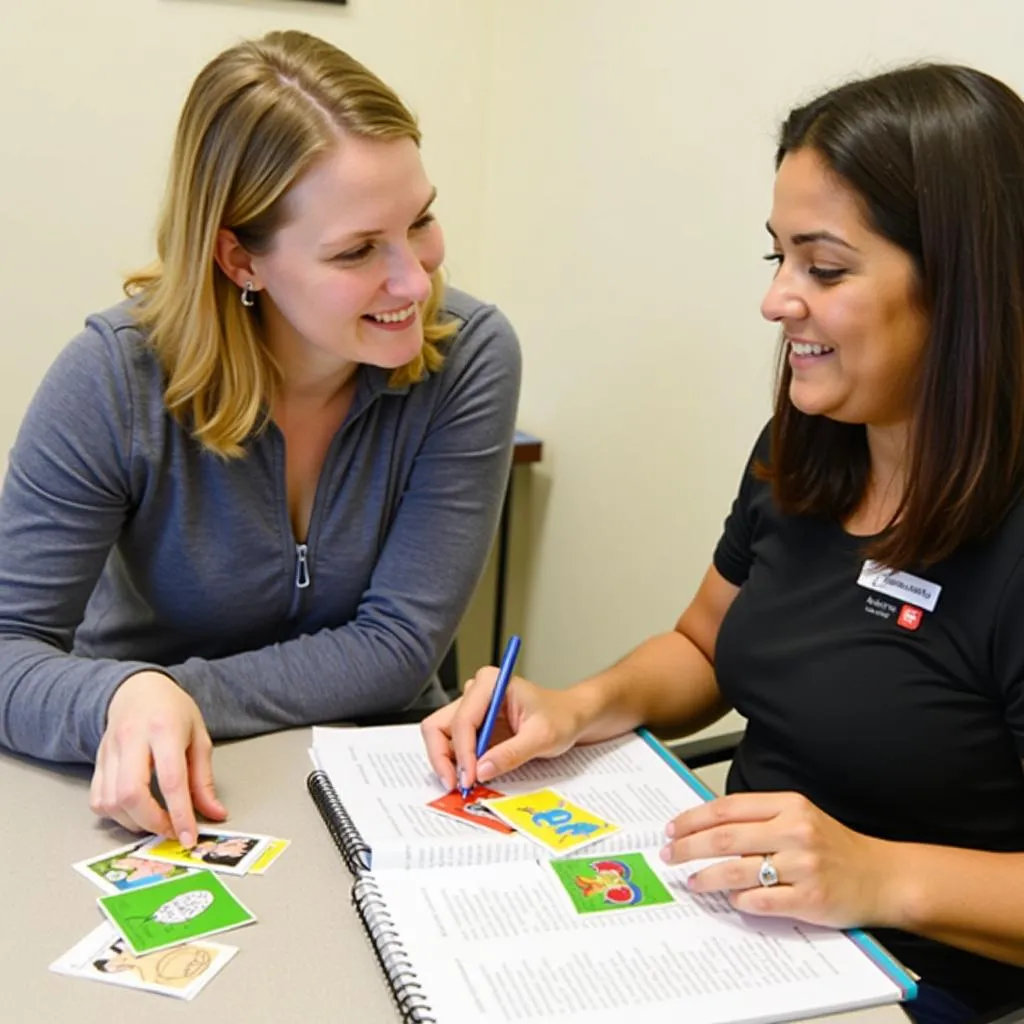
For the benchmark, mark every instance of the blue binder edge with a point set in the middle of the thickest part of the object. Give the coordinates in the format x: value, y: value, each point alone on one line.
x: 867, y: 944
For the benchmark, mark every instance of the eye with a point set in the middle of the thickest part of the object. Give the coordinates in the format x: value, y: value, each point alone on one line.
x: 424, y: 222
x: 355, y: 255
x: 826, y: 274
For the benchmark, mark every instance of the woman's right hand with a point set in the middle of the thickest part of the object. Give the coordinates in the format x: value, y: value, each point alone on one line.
x: 533, y: 722
x: 154, y: 724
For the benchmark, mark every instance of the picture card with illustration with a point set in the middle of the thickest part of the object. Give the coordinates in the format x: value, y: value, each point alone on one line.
x: 181, y: 972
x: 471, y: 810
x: 548, y: 818
x: 230, y: 853
x: 123, y: 869
x: 269, y: 856
x: 623, y: 882
x: 170, y: 913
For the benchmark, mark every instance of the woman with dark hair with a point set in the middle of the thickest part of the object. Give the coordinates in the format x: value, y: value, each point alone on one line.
x: 228, y: 850
x: 863, y: 605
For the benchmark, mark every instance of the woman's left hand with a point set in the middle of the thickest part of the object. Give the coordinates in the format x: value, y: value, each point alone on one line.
x: 827, y: 873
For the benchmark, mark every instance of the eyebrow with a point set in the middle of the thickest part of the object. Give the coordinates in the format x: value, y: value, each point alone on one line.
x: 355, y: 236
x: 807, y: 237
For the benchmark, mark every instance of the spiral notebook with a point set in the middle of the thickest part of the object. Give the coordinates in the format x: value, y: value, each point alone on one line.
x: 472, y: 926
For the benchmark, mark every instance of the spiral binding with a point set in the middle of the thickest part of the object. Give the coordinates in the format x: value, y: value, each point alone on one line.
x: 349, y: 842
x: 391, y: 955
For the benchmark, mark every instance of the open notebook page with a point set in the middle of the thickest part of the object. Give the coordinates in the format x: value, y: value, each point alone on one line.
x: 492, y: 945
x: 384, y: 781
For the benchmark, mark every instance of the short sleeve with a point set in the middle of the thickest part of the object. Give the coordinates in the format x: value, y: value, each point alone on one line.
x: 733, y: 556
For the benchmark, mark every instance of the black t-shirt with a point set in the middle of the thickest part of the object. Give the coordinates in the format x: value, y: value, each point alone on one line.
x: 901, y: 723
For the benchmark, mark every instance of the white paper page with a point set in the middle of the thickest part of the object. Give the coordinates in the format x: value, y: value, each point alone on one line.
x: 383, y: 779
x: 491, y: 946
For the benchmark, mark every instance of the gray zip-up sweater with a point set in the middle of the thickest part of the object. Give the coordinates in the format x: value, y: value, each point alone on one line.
x: 124, y: 545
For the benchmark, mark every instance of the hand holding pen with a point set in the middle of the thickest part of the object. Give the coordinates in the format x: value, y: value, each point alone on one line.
x: 483, y: 741
x: 526, y: 721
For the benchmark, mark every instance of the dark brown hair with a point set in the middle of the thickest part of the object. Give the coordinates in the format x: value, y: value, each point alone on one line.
x: 936, y: 155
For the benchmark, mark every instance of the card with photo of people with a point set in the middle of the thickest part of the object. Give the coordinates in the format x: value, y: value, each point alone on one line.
x: 228, y: 853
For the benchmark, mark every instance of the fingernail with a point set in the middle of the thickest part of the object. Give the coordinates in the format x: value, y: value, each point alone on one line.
x: 462, y: 777
x: 666, y: 854
x: 186, y: 840
x: 485, y: 770
x: 670, y: 829
x: 691, y: 881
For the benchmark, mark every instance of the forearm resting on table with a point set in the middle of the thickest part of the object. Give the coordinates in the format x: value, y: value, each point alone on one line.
x: 972, y: 899
x: 666, y: 684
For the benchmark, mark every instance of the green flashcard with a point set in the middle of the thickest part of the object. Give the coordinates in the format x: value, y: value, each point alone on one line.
x: 172, y: 912
x: 597, y: 884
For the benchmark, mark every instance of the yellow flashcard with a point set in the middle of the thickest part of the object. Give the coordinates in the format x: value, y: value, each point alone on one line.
x: 546, y: 817
x: 273, y: 850
x: 231, y: 853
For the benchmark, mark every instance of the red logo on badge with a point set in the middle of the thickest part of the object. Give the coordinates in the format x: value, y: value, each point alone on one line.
x: 910, y: 617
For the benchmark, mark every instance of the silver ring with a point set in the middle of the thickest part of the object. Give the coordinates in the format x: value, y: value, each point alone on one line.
x: 767, y: 875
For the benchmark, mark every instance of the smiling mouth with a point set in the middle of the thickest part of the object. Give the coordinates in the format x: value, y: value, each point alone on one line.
x: 396, y: 316
x: 803, y: 348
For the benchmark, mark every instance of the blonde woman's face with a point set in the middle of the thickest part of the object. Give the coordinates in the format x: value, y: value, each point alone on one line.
x: 348, y: 272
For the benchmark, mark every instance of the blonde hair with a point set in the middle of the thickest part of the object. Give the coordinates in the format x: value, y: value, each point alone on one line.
x: 256, y: 118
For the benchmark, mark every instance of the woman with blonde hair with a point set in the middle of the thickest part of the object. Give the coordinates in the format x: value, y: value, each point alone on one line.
x: 260, y: 491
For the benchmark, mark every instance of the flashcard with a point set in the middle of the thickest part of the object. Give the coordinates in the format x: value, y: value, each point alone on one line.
x: 164, y: 915
x: 181, y: 972
x: 549, y: 819
x: 623, y: 882
x: 230, y: 853
x: 123, y: 869
x: 470, y: 809
x: 273, y: 850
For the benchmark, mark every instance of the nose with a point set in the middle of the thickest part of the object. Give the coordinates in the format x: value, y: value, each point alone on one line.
x: 783, y: 301
x: 407, y: 277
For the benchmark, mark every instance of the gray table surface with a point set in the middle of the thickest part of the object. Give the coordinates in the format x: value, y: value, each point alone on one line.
x: 306, y: 958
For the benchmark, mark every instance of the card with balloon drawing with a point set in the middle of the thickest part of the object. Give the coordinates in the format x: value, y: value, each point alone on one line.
x: 168, y: 913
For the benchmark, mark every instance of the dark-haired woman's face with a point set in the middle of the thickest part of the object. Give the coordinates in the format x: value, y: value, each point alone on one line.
x: 845, y: 298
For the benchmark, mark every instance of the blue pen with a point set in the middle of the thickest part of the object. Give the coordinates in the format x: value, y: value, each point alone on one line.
x: 483, y: 740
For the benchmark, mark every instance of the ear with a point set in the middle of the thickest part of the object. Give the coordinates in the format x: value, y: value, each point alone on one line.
x: 234, y: 260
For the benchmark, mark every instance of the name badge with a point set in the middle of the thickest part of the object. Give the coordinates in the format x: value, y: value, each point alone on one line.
x: 900, y: 585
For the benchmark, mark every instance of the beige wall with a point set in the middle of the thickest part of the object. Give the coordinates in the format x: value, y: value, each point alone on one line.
x: 604, y: 172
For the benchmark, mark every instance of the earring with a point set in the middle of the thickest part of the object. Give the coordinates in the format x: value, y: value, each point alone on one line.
x: 248, y: 295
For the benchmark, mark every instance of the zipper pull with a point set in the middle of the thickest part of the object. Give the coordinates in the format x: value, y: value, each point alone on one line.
x: 301, y: 567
